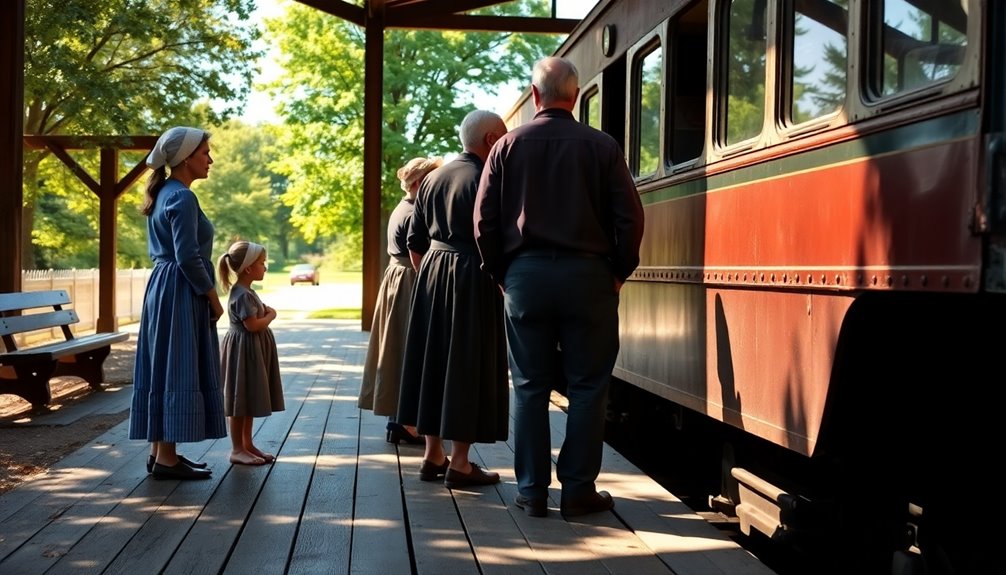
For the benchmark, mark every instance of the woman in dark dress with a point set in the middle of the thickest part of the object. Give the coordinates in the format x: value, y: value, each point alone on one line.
x: 454, y: 376
x: 382, y: 370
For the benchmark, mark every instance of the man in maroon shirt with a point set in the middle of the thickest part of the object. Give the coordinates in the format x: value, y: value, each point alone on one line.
x: 558, y: 224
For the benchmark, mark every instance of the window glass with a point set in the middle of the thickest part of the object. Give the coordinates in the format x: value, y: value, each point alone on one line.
x: 686, y: 103
x: 819, y: 55
x: 745, y: 70
x: 921, y: 47
x: 591, y: 109
x: 648, y: 74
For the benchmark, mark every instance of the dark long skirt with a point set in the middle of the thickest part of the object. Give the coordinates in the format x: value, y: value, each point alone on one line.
x: 382, y: 370
x: 454, y: 376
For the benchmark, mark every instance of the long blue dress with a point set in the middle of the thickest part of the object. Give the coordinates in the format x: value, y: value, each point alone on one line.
x: 176, y: 379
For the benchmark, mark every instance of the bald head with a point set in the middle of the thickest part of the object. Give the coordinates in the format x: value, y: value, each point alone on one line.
x: 479, y: 131
x: 555, y: 83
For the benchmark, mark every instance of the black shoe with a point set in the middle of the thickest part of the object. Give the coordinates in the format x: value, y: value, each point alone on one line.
x: 454, y: 478
x: 429, y: 471
x: 593, y: 503
x: 178, y: 471
x: 182, y: 458
x: 399, y: 434
x: 193, y: 464
x: 532, y: 506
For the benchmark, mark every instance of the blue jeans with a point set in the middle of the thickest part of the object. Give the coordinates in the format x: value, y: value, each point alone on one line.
x: 562, y: 326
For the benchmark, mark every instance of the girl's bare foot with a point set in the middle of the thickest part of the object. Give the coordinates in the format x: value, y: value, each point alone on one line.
x: 246, y: 458
x: 267, y: 457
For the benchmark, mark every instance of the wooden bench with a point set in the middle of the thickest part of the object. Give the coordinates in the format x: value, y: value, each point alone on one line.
x: 26, y: 372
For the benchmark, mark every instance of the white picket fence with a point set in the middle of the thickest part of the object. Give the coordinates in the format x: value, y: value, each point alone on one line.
x: 82, y: 285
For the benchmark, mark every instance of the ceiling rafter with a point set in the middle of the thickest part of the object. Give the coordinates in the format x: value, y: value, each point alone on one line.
x: 339, y: 8
x: 486, y: 23
x: 426, y: 8
x: 440, y: 15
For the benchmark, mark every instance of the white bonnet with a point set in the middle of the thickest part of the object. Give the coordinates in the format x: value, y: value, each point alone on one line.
x: 174, y: 146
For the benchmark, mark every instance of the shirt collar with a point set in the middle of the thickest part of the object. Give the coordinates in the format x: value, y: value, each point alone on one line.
x: 554, y: 113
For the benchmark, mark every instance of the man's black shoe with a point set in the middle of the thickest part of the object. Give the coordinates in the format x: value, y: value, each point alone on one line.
x: 593, y: 503
x: 533, y: 507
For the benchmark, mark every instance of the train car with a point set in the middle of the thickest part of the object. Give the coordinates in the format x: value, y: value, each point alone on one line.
x: 823, y: 268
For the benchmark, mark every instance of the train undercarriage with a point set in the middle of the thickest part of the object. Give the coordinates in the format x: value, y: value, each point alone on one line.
x: 895, y: 481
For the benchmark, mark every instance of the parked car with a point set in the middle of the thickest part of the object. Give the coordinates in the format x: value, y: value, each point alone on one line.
x: 305, y: 273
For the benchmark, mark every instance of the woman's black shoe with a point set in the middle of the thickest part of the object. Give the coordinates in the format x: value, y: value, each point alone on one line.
x: 397, y: 433
x: 182, y: 458
x: 178, y: 471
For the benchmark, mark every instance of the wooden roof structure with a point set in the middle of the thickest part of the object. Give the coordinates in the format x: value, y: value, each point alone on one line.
x: 374, y: 16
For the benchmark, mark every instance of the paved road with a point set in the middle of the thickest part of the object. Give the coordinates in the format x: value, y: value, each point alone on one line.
x: 305, y: 298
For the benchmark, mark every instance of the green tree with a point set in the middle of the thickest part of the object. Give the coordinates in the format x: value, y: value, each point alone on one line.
x: 427, y: 76
x: 125, y: 67
x: 237, y: 197
x: 67, y: 216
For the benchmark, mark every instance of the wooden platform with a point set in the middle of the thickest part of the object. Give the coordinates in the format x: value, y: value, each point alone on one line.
x: 339, y: 499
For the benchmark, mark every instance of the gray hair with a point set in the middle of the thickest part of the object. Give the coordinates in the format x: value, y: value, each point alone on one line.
x: 476, y: 125
x: 556, y: 79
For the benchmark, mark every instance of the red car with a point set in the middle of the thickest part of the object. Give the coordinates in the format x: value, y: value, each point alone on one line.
x: 304, y: 273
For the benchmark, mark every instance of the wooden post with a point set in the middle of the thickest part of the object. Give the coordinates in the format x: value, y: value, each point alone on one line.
x: 11, y: 146
x: 373, y: 99
x: 109, y: 201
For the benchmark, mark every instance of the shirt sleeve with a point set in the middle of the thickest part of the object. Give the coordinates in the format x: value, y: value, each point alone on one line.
x: 418, y: 239
x: 244, y: 306
x: 627, y: 214
x: 486, y: 217
x: 182, y: 211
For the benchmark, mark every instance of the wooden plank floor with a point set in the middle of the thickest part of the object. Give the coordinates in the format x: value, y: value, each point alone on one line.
x: 339, y: 499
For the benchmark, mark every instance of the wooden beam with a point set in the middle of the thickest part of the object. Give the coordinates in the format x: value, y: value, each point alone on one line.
x: 76, y: 168
x: 11, y: 149
x: 425, y: 8
x: 344, y: 10
x: 485, y: 23
x: 129, y: 178
x: 108, y: 188
x: 39, y: 142
x: 144, y: 143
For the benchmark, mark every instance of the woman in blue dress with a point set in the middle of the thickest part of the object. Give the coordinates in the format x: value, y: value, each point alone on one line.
x: 176, y: 379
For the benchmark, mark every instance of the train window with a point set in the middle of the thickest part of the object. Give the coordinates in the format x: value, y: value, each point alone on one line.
x: 921, y: 43
x: 590, y: 108
x: 818, y: 53
x: 745, y: 70
x: 686, y: 101
x: 647, y: 73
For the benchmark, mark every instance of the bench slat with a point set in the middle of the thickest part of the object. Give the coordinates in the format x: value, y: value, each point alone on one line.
x: 27, y: 300
x: 60, y: 349
x: 35, y: 321
x: 27, y: 371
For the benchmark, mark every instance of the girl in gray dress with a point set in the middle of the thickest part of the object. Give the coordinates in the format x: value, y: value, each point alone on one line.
x: 250, y: 366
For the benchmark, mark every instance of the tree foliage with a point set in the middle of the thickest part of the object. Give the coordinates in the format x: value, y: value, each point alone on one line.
x: 237, y: 196
x: 428, y: 76
x: 126, y: 67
